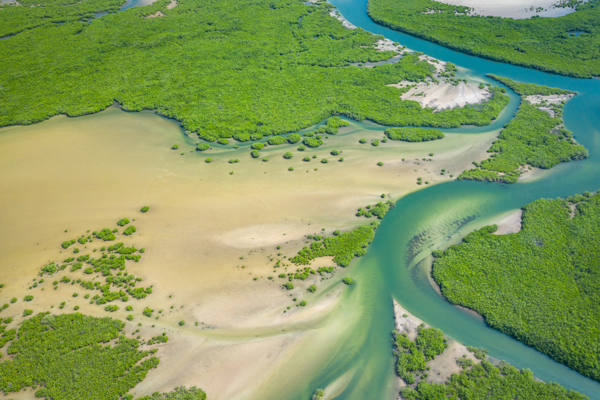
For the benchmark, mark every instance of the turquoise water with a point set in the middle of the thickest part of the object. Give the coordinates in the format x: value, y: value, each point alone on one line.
x: 437, y: 215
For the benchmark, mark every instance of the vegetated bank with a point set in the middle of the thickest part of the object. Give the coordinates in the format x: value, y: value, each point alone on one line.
x: 73, y: 356
x: 244, y: 69
x: 540, y: 285
x: 480, y: 380
x: 542, y: 43
x: 535, y: 137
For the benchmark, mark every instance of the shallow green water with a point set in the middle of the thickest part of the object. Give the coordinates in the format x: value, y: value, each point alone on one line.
x: 431, y: 217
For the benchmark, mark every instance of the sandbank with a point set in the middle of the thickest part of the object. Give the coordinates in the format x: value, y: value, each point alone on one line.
x: 510, y: 223
x: 444, y: 95
x: 515, y: 9
x: 85, y: 173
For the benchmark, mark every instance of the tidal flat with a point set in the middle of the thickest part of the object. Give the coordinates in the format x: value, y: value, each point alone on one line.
x: 86, y: 173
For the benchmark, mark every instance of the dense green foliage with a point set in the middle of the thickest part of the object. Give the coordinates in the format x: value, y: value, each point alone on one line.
x: 313, y: 141
x: 343, y: 247
x: 66, y: 357
x: 145, y: 209
x: 318, y: 394
x: 540, y: 285
x: 412, y: 356
x: 348, y: 281
x: 533, y: 138
x: 123, y: 222
x: 481, y: 381
x: 105, y: 234
x: 486, y: 381
x: 292, y: 59
x: 542, y: 43
x: 528, y: 89
x: 180, y: 393
x: 46, y: 13
x: 379, y: 210
x: 130, y: 230
x: 413, y: 134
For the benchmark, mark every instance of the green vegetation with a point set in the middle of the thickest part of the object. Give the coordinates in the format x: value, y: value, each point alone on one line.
x: 144, y: 209
x: 302, y: 303
x: 314, y: 141
x: 362, y: 141
x: 343, y: 247
x: 129, y: 230
x: 475, y: 381
x: 412, y: 356
x: 312, y: 288
x: 223, y: 141
x: 528, y: 89
x: 148, y: 312
x: 375, y: 142
x: 289, y: 285
x: 332, y: 125
x: 532, y: 138
x: 258, y: 146
x: 413, y: 134
x: 208, y: 160
x: 379, y: 210
x: 202, y: 147
x: 66, y: 244
x: 55, y: 353
x: 486, y: 381
x: 540, y: 285
x: 180, y: 393
x: 28, y: 297
x: 541, y: 43
x: 348, y: 281
x: 175, y: 147
x: 105, y: 234
x: 181, y: 323
x: 111, y: 308
x: 123, y: 222
x: 287, y: 155
x: 318, y: 395
x: 232, y: 51
x: 254, y: 154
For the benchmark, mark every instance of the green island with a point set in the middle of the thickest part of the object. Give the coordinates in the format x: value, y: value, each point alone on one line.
x: 481, y: 380
x: 542, y: 43
x: 413, y: 134
x: 299, y: 72
x: 343, y: 247
x: 536, y: 137
x: 540, y: 285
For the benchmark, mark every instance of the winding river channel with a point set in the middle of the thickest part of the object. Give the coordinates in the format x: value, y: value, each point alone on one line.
x: 397, y: 263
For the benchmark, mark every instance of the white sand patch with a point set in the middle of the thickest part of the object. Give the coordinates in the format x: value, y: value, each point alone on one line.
x: 443, y: 95
x: 388, y: 45
x: 262, y: 235
x: 541, y: 101
x: 510, y: 224
x: 337, y: 15
x: 172, y: 4
x: 515, y: 9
